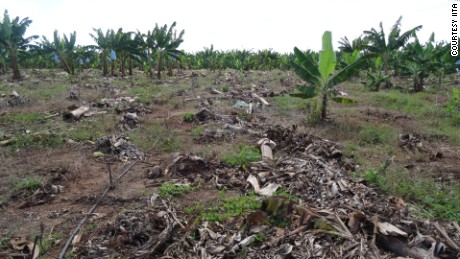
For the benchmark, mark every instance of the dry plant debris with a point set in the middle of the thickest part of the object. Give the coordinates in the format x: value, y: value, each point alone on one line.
x: 331, y: 216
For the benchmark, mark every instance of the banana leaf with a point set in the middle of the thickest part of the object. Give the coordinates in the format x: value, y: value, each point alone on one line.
x: 306, y: 68
x: 327, y: 58
x: 344, y: 100
x: 306, y: 92
x: 345, y: 73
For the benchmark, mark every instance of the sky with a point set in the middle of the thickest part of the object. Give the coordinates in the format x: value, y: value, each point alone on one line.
x: 236, y: 24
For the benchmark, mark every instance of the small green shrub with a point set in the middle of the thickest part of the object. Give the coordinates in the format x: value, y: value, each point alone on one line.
x: 242, y: 115
x: 246, y: 155
x: 170, y: 145
x: 453, y: 104
x: 225, y: 88
x: 22, y: 118
x: 231, y: 207
x: 49, y: 242
x: 145, y: 93
x: 170, y: 189
x: 147, y: 136
x: 283, y: 193
x: 371, y: 134
x: 453, y: 108
x: 44, y: 139
x: 188, y: 117
x: 30, y: 184
x: 4, y: 243
x: 433, y: 199
x: 260, y: 237
x: 280, y: 222
x: 373, y: 176
x: 286, y: 104
x: 197, y: 131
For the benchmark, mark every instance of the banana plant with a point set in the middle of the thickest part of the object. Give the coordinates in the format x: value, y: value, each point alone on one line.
x: 64, y: 50
x: 420, y: 61
x: 123, y: 45
x: 377, y: 44
x: 103, y: 45
x: 444, y: 62
x: 163, y: 41
x: 376, y: 78
x: 12, y: 39
x: 320, y: 74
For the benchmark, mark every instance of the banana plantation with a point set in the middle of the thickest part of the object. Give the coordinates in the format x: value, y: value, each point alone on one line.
x: 132, y: 147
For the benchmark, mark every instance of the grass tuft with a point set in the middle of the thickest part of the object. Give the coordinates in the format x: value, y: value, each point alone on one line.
x: 246, y: 155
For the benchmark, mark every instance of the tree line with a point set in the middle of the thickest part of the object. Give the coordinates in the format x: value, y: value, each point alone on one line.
x: 118, y: 52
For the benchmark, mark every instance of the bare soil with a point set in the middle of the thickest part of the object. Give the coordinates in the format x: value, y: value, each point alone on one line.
x: 84, y: 177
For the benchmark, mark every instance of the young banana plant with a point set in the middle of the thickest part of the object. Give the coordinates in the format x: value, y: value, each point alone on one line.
x: 321, y: 74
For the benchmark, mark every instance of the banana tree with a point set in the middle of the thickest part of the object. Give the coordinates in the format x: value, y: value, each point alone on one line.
x: 123, y: 45
x: 375, y: 77
x: 320, y: 74
x: 266, y: 59
x: 357, y: 44
x: 12, y: 39
x: 210, y: 58
x: 420, y: 61
x: 104, y: 45
x: 385, y: 47
x: 164, y: 42
x: 444, y: 63
x: 2, y: 61
x: 64, y: 50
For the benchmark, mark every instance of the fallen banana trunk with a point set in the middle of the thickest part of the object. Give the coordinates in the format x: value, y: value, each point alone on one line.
x: 261, y: 99
x: 75, y: 114
x: 266, y: 147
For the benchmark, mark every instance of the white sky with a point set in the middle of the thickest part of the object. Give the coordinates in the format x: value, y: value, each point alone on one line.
x: 235, y: 24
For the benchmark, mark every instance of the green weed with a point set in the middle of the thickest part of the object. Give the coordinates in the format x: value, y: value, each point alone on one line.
x: 246, y: 155
x: 44, y: 139
x: 434, y: 199
x: 283, y: 193
x: 145, y: 94
x: 408, y: 103
x: 224, y: 88
x: 4, y: 243
x: 29, y: 184
x: 22, y: 118
x: 170, y: 189
x: 188, y: 117
x: 170, y: 145
x: 197, y: 131
x: 148, y: 136
x: 189, y: 210
x: 49, y: 91
x: 91, y: 227
x: 260, y: 237
x: 371, y: 134
x: 280, y: 222
x: 49, y: 242
x: 286, y: 104
x: 242, y: 115
x: 453, y: 104
x: 231, y: 207
x: 91, y: 129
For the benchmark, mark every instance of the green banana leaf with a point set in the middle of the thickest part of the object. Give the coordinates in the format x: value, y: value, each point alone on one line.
x: 306, y: 68
x: 345, y: 73
x: 344, y: 100
x: 306, y: 92
x: 327, y: 58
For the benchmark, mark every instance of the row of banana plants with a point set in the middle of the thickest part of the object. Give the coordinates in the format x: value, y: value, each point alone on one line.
x: 117, y: 52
